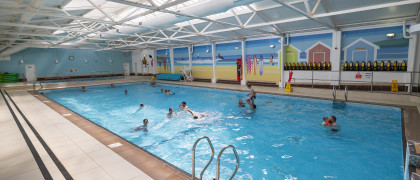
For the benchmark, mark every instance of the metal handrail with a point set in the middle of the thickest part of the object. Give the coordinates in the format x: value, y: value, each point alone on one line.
x: 346, y: 93
x: 193, y: 157
x: 218, y: 161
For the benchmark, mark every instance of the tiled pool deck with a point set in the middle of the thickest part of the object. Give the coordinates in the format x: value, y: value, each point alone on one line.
x: 82, y: 147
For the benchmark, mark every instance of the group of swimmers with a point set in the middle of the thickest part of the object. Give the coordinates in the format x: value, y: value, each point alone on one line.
x: 250, y: 100
x: 166, y: 91
x: 330, y: 121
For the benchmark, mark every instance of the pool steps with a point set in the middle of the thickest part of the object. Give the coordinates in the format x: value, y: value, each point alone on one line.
x: 211, y: 159
x: 346, y: 93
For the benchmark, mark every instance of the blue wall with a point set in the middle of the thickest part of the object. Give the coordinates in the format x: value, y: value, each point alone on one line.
x: 44, y: 60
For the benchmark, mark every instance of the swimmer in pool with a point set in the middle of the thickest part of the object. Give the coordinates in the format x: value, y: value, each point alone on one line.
x: 168, y: 92
x: 183, y: 106
x: 143, y: 106
x: 333, y: 121
x: 326, y: 121
x: 252, y: 94
x: 161, y: 89
x: 83, y: 89
x: 196, y: 115
x: 241, y: 103
x: 112, y: 85
x: 142, y: 127
x: 126, y: 92
x: 252, y: 106
x: 171, y: 113
x: 154, y: 84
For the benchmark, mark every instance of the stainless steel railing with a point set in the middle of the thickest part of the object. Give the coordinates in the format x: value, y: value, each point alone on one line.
x: 193, y: 157
x: 218, y: 162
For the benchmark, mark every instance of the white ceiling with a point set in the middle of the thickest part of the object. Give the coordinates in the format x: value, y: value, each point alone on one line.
x: 92, y: 24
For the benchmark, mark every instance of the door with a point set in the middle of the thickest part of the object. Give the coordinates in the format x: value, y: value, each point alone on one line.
x: 126, y: 68
x: 30, y: 72
x: 318, y: 57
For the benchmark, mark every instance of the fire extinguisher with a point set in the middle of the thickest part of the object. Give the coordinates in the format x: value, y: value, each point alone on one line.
x: 239, y: 68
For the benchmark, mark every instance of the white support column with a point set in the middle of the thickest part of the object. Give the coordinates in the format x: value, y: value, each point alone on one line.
x: 412, y: 48
x: 190, y: 50
x: 281, y: 63
x: 171, y: 55
x: 213, y: 55
x: 243, y: 46
x: 155, y: 64
x: 335, y: 58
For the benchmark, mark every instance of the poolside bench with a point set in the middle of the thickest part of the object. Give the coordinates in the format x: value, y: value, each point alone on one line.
x: 169, y: 76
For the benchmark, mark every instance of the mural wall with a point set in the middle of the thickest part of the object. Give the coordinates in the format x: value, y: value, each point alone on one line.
x: 180, y: 59
x: 202, y: 62
x: 308, y: 49
x: 226, y: 56
x: 262, y: 60
x: 374, y: 45
x: 163, y: 61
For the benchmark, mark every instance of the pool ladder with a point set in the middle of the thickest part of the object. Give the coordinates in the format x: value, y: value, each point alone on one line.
x: 211, y: 159
x: 346, y: 93
x: 41, y: 89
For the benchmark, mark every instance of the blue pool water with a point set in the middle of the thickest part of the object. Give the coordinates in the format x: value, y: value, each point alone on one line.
x: 282, y: 139
x: 79, y: 80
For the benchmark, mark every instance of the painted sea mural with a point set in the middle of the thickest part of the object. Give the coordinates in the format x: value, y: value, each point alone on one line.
x: 373, y: 44
x: 202, y: 62
x: 181, y: 59
x: 262, y: 60
x: 163, y: 61
x: 226, y: 56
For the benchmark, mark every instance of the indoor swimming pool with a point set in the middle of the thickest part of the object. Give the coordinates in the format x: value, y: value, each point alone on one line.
x: 281, y: 139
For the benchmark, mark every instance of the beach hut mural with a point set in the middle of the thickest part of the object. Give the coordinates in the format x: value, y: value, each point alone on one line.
x: 361, y: 50
x: 318, y: 53
x: 291, y: 54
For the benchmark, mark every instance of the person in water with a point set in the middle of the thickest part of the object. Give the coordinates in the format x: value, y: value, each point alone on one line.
x: 326, y: 121
x: 183, y: 106
x: 168, y: 92
x: 126, y: 92
x: 143, y: 127
x: 197, y: 115
x: 143, y: 106
x: 252, y: 106
x: 154, y: 84
x: 241, y: 103
x: 161, y: 89
x: 112, y: 85
x: 252, y: 94
x: 171, y: 113
x: 83, y: 89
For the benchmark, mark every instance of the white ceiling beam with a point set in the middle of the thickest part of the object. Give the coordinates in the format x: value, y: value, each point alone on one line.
x: 265, y: 19
x: 315, y: 7
x: 53, y: 15
x: 304, y: 14
x: 367, y: 8
x: 102, y: 11
x: 250, y: 18
x: 64, y: 4
x: 130, y: 3
x: 164, y: 34
x: 195, y: 29
x: 308, y: 9
x: 176, y: 32
x: 205, y: 28
x: 237, y: 17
